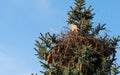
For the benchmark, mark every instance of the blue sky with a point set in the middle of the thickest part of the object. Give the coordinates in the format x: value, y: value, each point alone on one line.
x: 21, y: 21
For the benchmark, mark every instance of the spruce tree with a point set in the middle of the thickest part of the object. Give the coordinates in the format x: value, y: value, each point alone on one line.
x: 80, y: 50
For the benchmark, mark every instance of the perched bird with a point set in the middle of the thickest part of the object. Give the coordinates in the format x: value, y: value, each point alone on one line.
x: 74, y: 27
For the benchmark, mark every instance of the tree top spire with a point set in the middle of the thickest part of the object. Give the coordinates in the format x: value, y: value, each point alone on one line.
x: 80, y: 16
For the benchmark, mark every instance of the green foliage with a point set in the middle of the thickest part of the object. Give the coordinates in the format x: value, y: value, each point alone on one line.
x: 33, y: 74
x: 115, y: 69
x: 81, y: 16
x: 84, y: 52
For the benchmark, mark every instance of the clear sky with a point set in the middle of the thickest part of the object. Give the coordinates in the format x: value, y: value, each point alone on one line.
x: 21, y: 21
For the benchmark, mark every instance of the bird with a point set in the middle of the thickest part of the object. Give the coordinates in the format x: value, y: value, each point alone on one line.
x: 74, y: 27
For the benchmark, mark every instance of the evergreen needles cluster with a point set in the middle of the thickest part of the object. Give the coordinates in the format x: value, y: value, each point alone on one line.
x: 79, y: 52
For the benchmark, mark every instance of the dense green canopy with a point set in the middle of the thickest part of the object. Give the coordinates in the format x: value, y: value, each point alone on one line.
x: 78, y: 52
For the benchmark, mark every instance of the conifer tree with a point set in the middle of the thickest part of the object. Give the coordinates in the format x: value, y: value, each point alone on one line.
x: 80, y: 50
